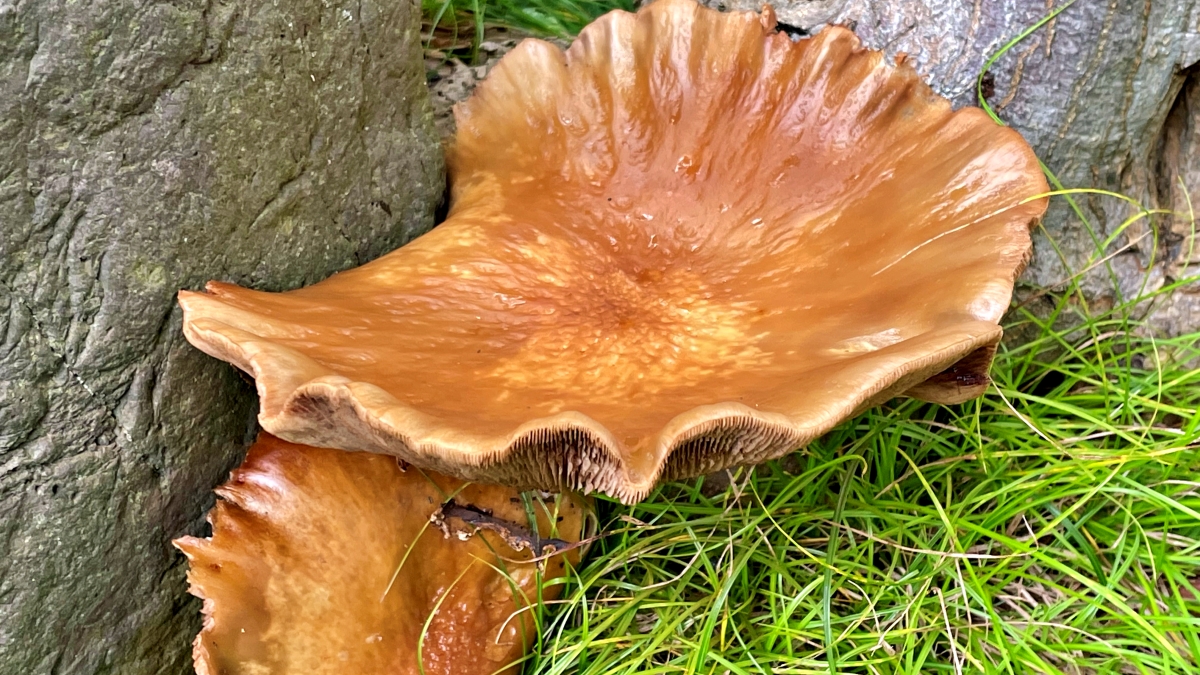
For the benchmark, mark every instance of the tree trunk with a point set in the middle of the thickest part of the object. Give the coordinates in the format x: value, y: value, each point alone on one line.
x: 1107, y: 95
x: 147, y: 147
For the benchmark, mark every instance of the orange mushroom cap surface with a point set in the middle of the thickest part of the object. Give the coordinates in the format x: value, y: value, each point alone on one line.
x: 324, y: 561
x: 687, y: 243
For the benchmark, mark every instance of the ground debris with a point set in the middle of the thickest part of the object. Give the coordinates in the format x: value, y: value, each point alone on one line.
x: 466, y: 521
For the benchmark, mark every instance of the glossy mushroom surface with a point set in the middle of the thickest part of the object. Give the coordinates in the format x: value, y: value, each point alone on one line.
x: 685, y: 244
x: 326, y: 562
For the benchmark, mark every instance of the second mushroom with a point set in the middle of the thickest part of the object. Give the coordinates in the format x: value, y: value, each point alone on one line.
x: 328, y: 562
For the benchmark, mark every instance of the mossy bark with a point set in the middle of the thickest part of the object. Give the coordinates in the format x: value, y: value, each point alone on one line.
x: 147, y: 147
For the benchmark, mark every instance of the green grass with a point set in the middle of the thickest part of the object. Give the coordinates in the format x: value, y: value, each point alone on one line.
x: 459, y: 26
x: 1051, y: 526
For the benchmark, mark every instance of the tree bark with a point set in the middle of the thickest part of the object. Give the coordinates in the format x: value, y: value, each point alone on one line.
x: 147, y: 147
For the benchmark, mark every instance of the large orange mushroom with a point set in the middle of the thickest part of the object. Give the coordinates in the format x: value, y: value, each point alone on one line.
x: 686, y: 243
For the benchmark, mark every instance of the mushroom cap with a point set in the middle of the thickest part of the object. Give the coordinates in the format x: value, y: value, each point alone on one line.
x: 685, y: 244
x: 300, y: 575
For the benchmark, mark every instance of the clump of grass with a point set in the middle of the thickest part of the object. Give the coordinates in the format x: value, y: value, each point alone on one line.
x: 459, y: 26
x: 553, y: 18
x: 1051, y: 526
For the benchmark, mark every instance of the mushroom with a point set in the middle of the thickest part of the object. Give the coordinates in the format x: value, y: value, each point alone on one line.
x: 324, y: 561
x: 687, y: 243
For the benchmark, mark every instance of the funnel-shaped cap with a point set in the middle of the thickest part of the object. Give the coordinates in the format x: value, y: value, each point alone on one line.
x: 687, y: 243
